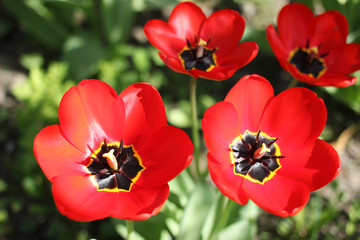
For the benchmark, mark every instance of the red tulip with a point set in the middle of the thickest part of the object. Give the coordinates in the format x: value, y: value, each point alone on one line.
x: 266, y: 148
x: 204, y: 47
x: 111, y: 155
x: 313, y: 49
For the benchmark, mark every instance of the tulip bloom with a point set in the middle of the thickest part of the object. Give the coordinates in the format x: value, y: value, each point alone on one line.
x: 313, y: 49
x: 193, y: 44
x: 111, y: 155
x: 265, y: 148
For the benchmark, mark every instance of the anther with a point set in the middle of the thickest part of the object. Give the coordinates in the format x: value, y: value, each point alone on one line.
x: 272, y: 142
x: 188, y: 43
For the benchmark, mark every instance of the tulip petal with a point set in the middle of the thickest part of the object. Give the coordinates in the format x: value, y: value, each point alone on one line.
x: 166, y: 153
x: 163, y: 37
x: 144, y: 113
x: 240, y: 55
x: 276, y: 44
x: 229, y: 184
x: 340, y: 81
x: 87, y: 116
x: 220, y: 126
x: 295, y: 25
x: 174, y: 64
x: 331, y: 30
x: 250, y: 96
x: 77, y: 198
x: 142, y: 203
x: 316, y: 165
x: 343, y: 60
x: 186, y: 20
x: 296, y: 116
x: 55, y: 155
x: 280, y: 195
x: 226, y: 37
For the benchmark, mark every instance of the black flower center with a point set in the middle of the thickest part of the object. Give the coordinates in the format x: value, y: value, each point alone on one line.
x: 114, y: 167
x: 255, y: 156
x: 307, y: 61
x: 198, y: 57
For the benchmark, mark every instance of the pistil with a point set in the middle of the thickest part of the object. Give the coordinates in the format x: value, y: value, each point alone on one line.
x: 260, y: 152
x: 111, y: 159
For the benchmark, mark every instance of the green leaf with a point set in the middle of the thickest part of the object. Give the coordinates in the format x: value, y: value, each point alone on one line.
x: 196, y: 212
x: 50, y: 33
x: 83, y: 53
x: 244, y: 229
x: 119, y: 19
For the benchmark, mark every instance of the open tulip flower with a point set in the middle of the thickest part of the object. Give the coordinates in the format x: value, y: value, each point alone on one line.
x: 111, y: 155
x: 193, y: 44
x: 266, y: 148
x: 313, y: 49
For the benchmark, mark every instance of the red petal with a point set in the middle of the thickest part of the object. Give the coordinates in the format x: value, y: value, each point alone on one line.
x: 144, y: 113
x: 224, y: 30
x: 163, y: 37
x: 276, y: 44
x: 217, y: 73
x: 87, y: 116
x: 250, y: 96
x: 280, y: 196
x: 220, y: 127
x: 142, y: 203
x: 186, y: 20
x: 77, y: 198
x: 331, y: 31
x: 343, y: 81
x: 298, y: 75
x: 229, y: 184
x: 343, y: 60
x: 296, y: 116
x: 174, y: 64
x: 166, y: 153
x: 316, y: 165
x: 239, y: 56
x: 295, y: 25
x: 55, y: 155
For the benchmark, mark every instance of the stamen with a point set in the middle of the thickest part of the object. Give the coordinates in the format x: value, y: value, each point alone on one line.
x: 120, y: 149
x: 188, y: 43
x: 260, y: 152
x: 106, y: 146
x: 307, y: 43
x: 111, y: 159
x: 324, y: 55
x: 272, y: 142
x: 95, y: 159
x: 257, y: 136
x: 248, y: 146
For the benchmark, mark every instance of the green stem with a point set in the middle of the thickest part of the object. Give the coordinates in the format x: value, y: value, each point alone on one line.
x: 222, y: 213
x: 195, y: 125
x: 130, y: 228
x: 293, y: 83
x: 316, y: 218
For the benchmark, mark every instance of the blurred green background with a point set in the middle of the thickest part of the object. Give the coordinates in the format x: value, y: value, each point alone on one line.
x: 47, y: 46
